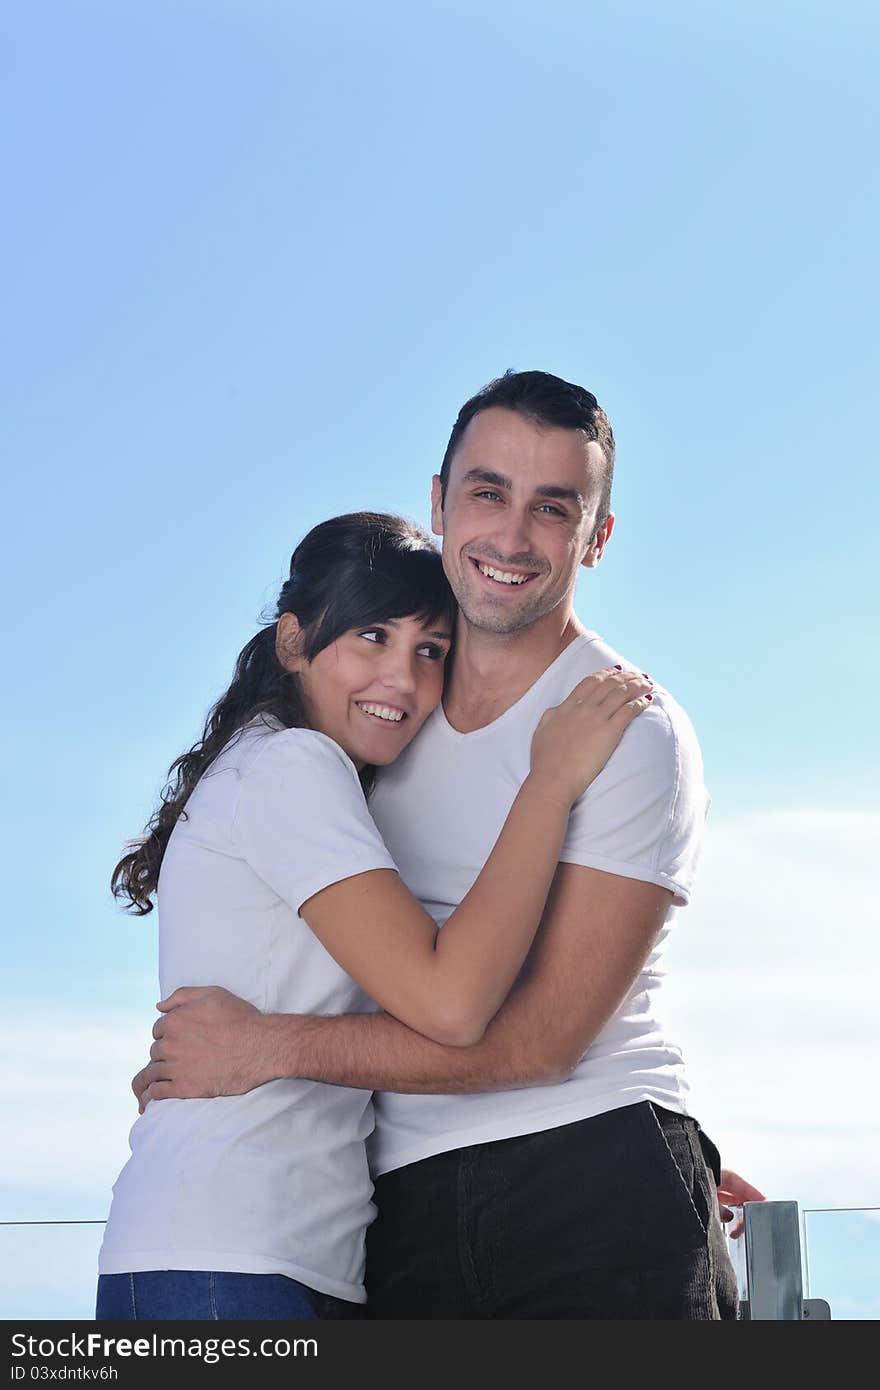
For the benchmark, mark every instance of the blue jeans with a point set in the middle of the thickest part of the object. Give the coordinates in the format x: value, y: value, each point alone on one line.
x: 205, y: 1296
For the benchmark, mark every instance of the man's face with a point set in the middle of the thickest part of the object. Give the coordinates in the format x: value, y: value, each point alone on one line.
x: 519, y: 518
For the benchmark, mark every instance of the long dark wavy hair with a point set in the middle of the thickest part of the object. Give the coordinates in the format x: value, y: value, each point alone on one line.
x: 365, y: 567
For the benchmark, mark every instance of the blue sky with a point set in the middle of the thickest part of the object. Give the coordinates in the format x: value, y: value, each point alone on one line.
x: 258, y: 256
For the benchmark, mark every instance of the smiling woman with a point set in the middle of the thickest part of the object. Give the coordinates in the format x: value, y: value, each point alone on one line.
x: 345, y: 572
x: 372, y: 688
x: 273, y: 881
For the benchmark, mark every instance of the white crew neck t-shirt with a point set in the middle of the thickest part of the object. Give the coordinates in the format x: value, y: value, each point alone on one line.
x: 440, y: 808
x: 275, y: 1181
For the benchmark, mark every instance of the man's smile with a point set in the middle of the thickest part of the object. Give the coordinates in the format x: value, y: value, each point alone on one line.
x: 502, y: 576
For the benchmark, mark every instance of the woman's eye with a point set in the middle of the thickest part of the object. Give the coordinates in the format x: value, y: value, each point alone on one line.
x: 435, y: 653
x: 374, y: 634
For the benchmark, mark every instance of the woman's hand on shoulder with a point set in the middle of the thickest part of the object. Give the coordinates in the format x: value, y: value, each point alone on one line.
x: 575, y: 739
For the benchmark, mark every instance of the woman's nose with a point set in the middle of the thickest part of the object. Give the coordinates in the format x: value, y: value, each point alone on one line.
x: 398, y: 671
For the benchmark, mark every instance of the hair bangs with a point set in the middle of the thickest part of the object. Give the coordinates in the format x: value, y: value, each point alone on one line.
x: 395, y: 584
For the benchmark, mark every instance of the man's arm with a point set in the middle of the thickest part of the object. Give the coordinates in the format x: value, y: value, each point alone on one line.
x: 597, y: 931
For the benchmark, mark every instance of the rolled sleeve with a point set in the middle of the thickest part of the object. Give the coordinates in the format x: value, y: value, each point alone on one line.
x: 643, y: 816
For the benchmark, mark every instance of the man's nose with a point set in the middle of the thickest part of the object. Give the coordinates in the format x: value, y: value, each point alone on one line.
x: 513, y: 533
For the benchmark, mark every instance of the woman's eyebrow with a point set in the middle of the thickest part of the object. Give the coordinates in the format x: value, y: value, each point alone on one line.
x: 432, y: 632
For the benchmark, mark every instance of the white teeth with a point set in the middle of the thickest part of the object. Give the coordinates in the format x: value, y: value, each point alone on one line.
x: 382, y: 712
x: 503, y: 576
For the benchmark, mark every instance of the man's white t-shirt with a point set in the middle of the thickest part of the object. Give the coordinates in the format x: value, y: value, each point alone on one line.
x: 440, y: 808
x: 275, y: 1181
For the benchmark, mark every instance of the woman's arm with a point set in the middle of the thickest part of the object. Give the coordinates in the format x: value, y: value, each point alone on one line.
x: 597, y: 930
x: 448, y: 985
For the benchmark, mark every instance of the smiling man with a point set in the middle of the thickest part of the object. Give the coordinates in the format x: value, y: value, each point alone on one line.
x: 552, y: 1170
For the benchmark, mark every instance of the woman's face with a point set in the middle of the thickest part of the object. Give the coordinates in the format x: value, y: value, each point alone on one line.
x: 373, y: 688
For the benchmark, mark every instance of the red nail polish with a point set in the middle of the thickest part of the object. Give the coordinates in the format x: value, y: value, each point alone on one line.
x: 618, y: 668
x: 645, y: 674
x: 649, y: 697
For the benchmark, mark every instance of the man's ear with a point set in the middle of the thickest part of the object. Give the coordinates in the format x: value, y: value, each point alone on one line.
x: 288, y: 642
x: 595, y: 549
x: 436, y: 505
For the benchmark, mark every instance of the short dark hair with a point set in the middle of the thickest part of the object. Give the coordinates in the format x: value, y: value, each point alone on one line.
x: 546, y: 400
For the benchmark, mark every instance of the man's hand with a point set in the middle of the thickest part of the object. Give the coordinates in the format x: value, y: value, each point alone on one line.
x: 208, y: 1043
x: 732, y: 1192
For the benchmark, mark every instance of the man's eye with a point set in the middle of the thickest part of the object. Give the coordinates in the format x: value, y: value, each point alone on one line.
x: 555, y: 511
x: 487, y: 492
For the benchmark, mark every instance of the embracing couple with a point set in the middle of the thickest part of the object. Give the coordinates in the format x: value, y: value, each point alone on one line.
x: 429, y: 846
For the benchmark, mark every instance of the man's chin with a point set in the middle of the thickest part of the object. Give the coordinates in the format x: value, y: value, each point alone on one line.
x: 488, y: 618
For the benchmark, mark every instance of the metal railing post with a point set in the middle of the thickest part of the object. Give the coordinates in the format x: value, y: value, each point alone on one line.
x: 774, y: 1281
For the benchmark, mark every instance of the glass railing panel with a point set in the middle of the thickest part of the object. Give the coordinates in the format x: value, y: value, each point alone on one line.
x: 736, y: 1249
x: 49, y: 1270
x: 841, y: 1258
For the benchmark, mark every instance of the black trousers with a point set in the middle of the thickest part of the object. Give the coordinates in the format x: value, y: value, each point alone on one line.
x: 615, y: 1216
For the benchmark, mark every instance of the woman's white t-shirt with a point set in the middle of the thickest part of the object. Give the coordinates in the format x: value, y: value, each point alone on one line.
x: 275, y: 1181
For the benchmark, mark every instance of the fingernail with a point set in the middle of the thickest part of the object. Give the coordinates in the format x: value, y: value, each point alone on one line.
x: 618, y: 668
x: 649, y: 697
x: 645, y: 674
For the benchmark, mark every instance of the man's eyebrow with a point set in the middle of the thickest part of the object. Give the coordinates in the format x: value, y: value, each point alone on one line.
x: 485, y: 475
x: 561, y: 494
x: 552, y: 490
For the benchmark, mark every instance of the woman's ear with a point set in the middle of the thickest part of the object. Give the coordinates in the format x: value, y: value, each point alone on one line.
x: 288, y: 642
